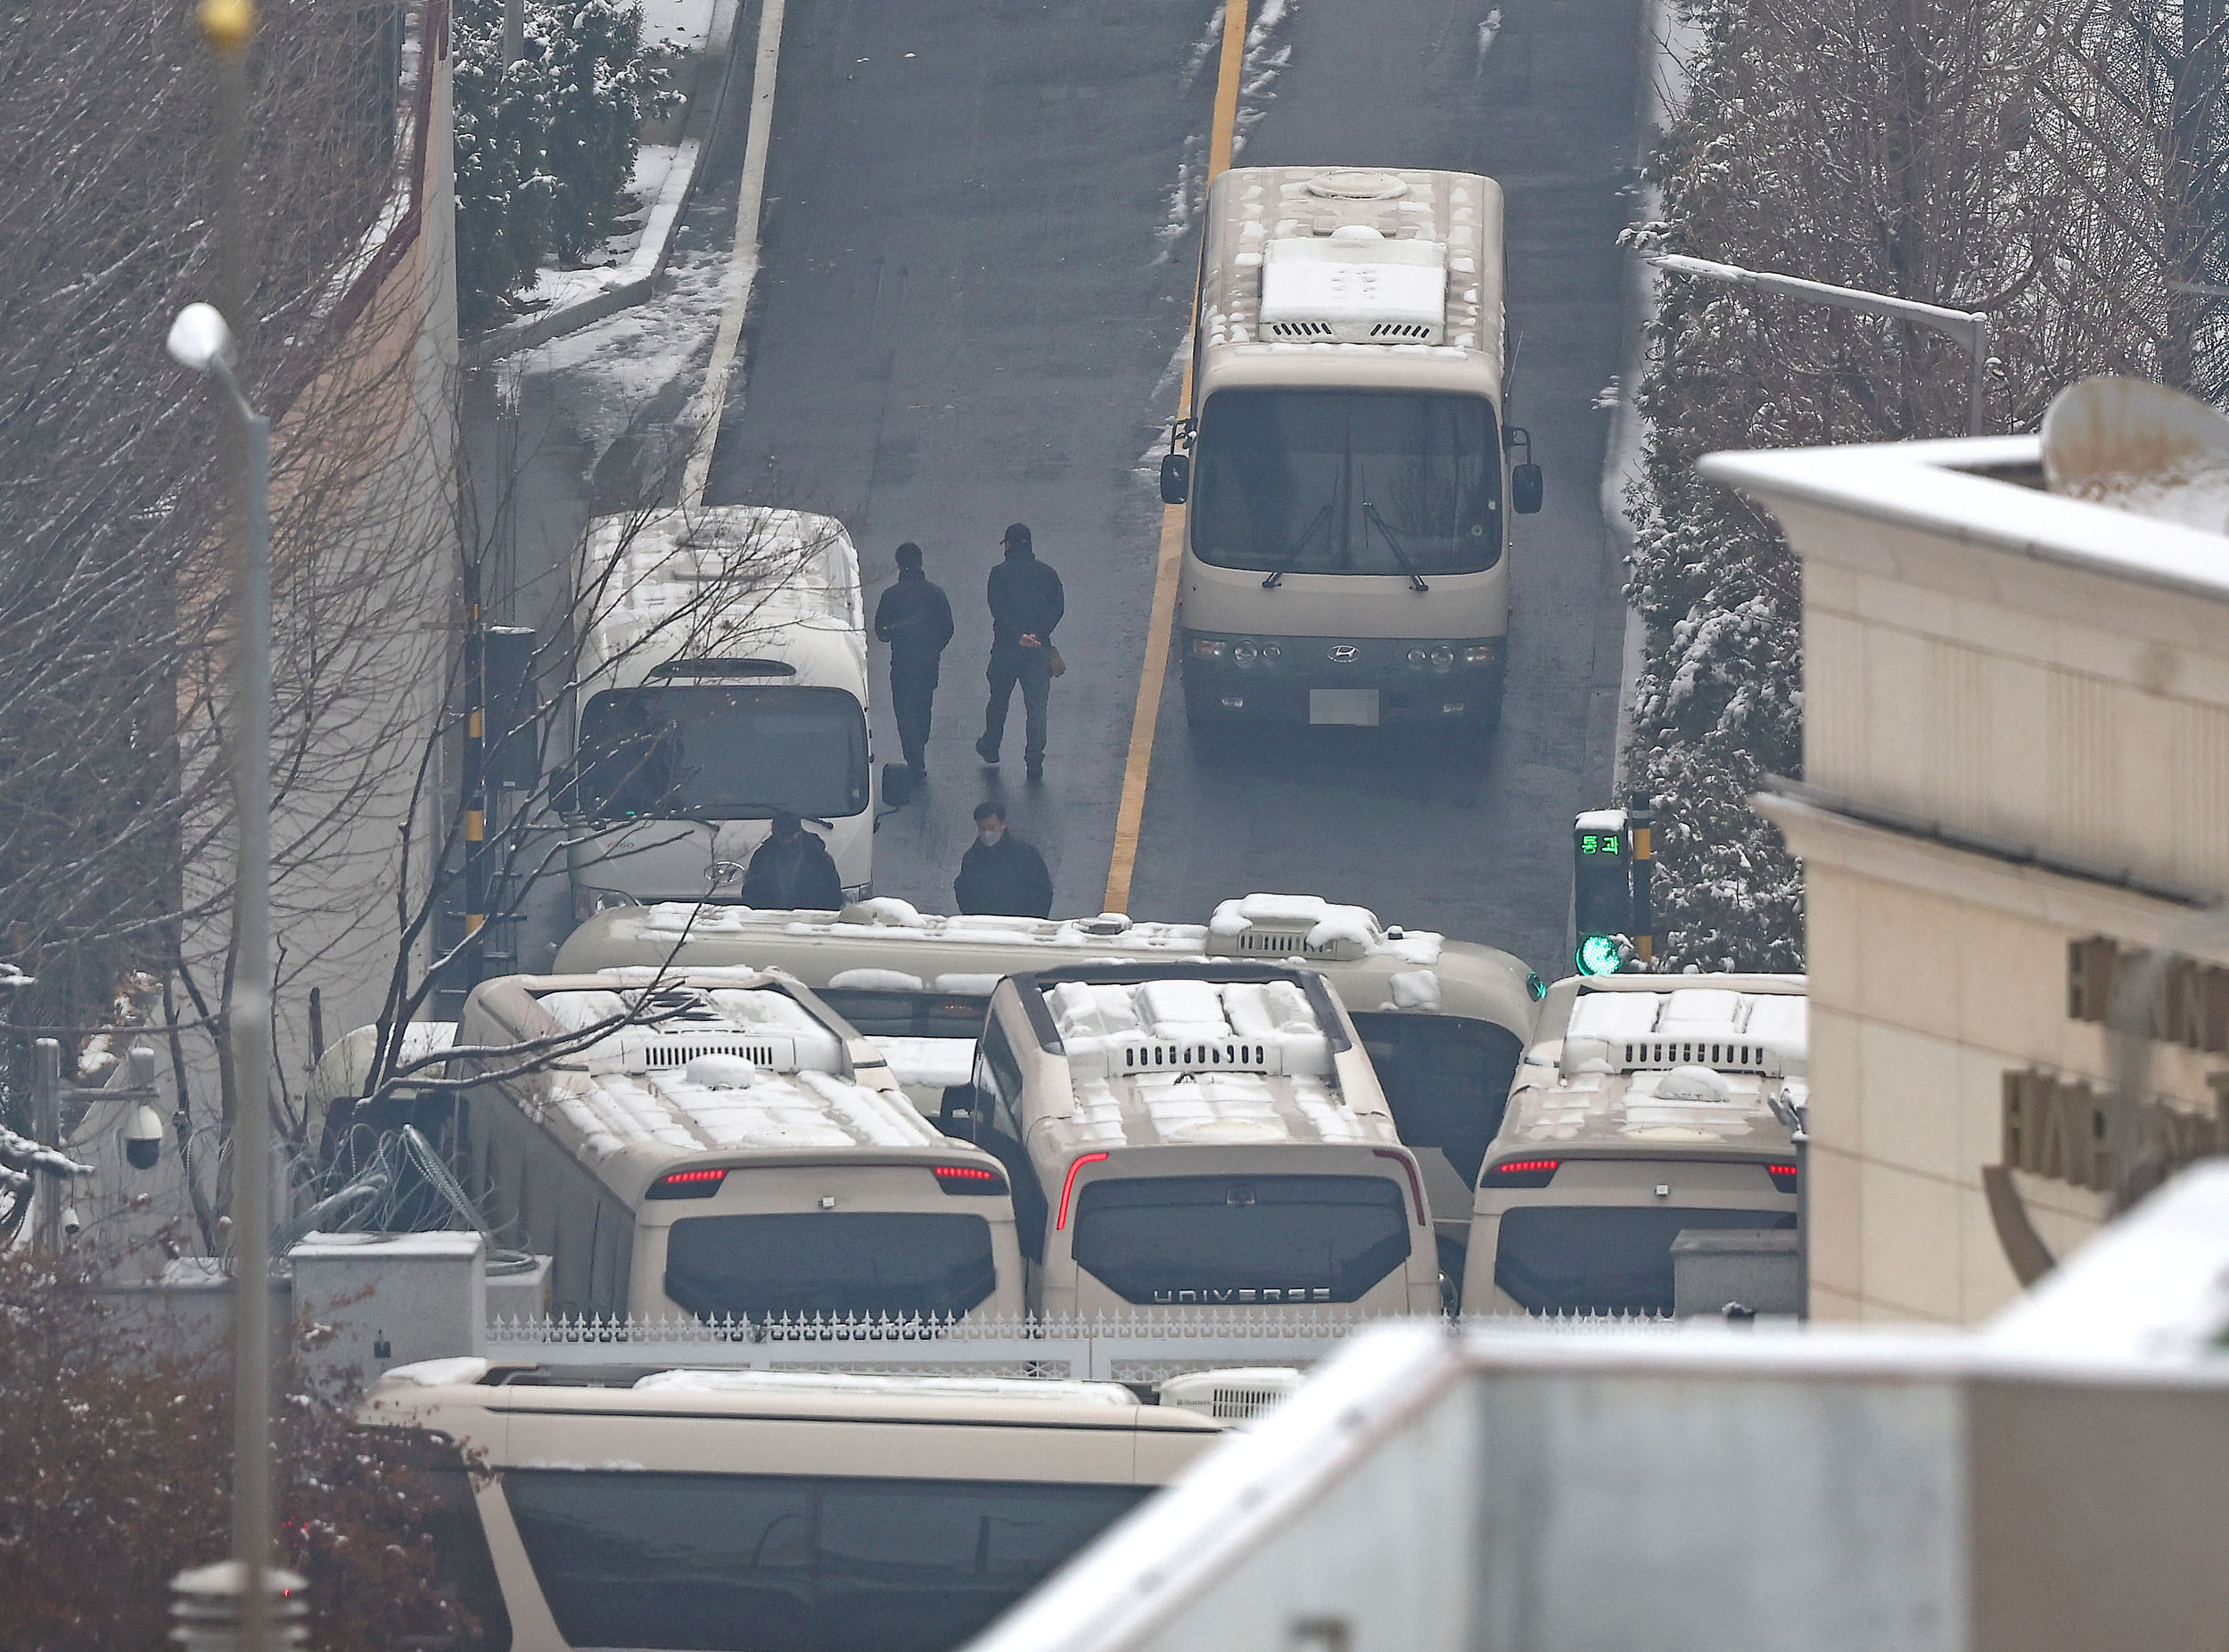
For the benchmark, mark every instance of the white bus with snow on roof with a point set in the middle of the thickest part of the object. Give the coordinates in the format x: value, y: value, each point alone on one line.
x: 729, y: 1149
x: 723, y: 680
x: 1186, y: 1135
x: 1346, y: 544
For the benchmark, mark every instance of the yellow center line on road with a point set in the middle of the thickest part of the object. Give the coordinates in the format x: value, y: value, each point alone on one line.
x: 1131, y: 815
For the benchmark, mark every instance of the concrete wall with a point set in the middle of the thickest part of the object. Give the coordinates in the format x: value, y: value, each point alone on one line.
x: 2017, y: 727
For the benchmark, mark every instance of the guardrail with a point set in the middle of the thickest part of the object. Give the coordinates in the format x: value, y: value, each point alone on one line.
x: 1139, y: 1347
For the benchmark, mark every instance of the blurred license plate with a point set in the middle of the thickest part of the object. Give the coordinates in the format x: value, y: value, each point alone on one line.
x: 1355, y: 706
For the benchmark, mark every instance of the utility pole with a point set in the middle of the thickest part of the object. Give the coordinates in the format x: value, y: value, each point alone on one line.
x: 1968, y: 329
x: 201, y: 338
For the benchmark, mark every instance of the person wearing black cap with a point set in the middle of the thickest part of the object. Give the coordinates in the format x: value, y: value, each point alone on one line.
x: 916, y: 622
x: 1026, y: 601
x: 791, y: 869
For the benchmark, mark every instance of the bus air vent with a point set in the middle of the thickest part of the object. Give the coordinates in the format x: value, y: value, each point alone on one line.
x: 1260, y: 941
x: 1354, y: 286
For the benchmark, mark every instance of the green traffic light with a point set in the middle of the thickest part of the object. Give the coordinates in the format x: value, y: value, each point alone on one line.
x: 1598, y: 956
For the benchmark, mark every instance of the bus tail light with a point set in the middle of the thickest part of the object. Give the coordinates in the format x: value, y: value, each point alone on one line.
x: 968, y: 1179
x: 1523, y: 1173
x: 1416, y: 1189
x: 687, y: 1185
x: 1783, y: 1177
x: 1069, y: 1185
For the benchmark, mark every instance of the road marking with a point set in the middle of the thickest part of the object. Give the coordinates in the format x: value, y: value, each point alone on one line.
x: 743, y: 259
x: 1131, y: 815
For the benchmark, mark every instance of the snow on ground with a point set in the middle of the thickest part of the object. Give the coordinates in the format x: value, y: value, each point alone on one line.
x: 615, y: 367
x: 683, y: 24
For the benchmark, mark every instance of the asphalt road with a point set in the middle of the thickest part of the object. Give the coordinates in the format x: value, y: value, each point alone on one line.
x: 979, y: 235
x: 967, y: 316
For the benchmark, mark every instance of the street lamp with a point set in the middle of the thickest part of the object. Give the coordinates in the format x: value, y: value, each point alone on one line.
x: 201, y: 340
x: 1968, y: 329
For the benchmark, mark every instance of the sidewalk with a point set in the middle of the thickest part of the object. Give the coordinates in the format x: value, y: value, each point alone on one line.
x: 664, y: 177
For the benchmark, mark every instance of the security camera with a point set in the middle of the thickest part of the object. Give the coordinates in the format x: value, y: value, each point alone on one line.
x: 142, y: 1138
x: 69, y: 1222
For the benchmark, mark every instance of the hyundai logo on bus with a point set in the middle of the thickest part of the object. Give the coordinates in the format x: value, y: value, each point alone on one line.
x: 1345, y: 653
x: 1213, y: 1294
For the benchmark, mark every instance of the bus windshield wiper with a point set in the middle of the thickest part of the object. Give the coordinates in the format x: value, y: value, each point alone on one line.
x: 1322, y: 515
x: 1369, y: 514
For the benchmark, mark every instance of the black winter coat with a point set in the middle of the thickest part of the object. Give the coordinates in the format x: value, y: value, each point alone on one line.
x: 1007, y: 879
x: 1025, y: 600
x: 914, y: 617
x: 801, y: 876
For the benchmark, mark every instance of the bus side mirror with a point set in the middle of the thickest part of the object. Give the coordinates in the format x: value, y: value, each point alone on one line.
x: 1176, y: 477
x: 1525, y: 488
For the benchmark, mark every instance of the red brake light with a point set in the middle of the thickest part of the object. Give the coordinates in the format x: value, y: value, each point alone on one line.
x: 688, y: 1184
x: 1415, y: 1191
x: 1523, y: 1172
x: 1783, y: 1177
x: 966, y: 1179
x: 1069, y: 1186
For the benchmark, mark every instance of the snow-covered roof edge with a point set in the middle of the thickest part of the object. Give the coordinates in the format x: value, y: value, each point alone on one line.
x: 1933, y: 486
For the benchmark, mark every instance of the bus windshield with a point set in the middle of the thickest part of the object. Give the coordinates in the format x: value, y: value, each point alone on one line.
x: 899, y: 1264
x: 767, y: 1563
x: 1399, y: 482
x: 1237, y: 1238
x: 1603, y: 1259
x: 721, y: 753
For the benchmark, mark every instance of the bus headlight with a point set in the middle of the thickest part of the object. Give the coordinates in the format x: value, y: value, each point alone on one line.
x: 1243, y: 654
x: 1208, y: 648
x: 1442, y: 659
x: 1271, y: 653
x: 1418, y: 659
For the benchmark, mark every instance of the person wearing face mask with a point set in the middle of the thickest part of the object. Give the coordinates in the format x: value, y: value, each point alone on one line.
x: 1001, y: 874
x: 792, y: 869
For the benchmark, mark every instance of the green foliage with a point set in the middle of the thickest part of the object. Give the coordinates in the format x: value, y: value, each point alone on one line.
x: 503, y: 185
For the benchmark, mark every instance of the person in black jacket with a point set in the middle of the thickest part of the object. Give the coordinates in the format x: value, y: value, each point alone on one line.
x: 916, y: 622
x: 1001, y: 874
x: 792, y: 869
x: 1026, y: 601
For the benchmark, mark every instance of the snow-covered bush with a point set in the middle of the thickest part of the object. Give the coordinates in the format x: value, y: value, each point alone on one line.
x: 2007, y: 159
x: 545, y: 146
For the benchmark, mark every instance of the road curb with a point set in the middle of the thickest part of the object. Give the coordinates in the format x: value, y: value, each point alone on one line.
x: 638, y: 280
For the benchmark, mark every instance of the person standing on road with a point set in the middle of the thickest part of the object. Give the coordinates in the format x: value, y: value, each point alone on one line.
x: 916, y: 622
x: 1026, y: 601
x: 792, y: 869
x: 1000, y: 875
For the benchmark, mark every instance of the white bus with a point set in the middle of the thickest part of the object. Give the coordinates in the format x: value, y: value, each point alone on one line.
x: 1646, y: 1108
x: 1346, y: 544
x: 1443, y: 1021
x: 1197, y: 1134
x: 735, y: 1511
x: 742, y: 1155
x: 704, y: 713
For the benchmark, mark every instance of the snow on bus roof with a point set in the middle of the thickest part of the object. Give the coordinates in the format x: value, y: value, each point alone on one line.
x: 714, y: 1097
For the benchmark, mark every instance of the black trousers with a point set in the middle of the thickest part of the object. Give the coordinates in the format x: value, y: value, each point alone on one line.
x: 1033, y: 670
x: 912, y: 698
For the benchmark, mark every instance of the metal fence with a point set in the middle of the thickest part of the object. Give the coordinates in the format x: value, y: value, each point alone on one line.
x: 1143, y: 1346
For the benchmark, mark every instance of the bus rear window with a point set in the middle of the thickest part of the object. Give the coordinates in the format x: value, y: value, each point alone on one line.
x: 1242, y: 1238
x: 734, y: 1563
x: 904, y: 1264
x: 1602, y: 1259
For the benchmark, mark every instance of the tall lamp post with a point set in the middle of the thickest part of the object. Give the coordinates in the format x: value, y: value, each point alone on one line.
x: 201, y: 340
x: 1968, y: 329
